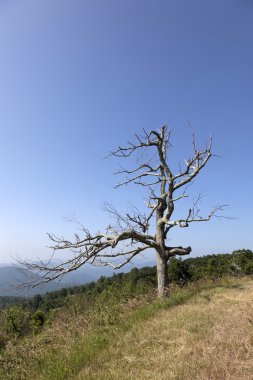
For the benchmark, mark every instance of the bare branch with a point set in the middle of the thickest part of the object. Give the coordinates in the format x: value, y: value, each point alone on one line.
x: 89, y: 249
x: 142, y: 142
x: 193, y: 165
x: 160, y: 140
x: 178, y: 251
x: 193, y: 216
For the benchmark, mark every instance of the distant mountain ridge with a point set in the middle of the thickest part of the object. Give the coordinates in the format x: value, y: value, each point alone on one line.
x: 11, y: 275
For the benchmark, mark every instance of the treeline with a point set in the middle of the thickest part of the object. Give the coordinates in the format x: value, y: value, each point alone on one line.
x: 10, y: 300
x: 238, y: 263
x: 138, y: 281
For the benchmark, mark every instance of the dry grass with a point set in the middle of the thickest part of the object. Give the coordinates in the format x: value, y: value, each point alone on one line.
x: 210, y: 337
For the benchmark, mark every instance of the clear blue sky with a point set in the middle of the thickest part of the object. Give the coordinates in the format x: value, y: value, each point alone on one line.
x: 78, y: 77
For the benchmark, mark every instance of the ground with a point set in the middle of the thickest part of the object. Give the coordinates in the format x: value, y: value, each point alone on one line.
x: 209, y: 337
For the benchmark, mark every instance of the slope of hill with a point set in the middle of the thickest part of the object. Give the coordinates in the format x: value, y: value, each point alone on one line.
x: 209, y: 337
x: 88, y: 330
x: 202, y: 331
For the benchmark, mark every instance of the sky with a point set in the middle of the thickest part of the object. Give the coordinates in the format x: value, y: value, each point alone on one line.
x: 80, y: 77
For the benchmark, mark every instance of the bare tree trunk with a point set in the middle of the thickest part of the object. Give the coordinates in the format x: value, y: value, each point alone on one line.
x: 162, y: 275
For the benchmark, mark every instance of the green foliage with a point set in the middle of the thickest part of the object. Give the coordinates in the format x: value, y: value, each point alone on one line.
x: 6, y: 301
x: 38, y: 321
x: 238, y: 263
x: 3, y: 341
x: 178, y: 271
x: 16, y: 320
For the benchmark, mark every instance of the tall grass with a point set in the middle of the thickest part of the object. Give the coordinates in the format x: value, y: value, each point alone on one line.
x: 207, y: 338
x: 77, y: 337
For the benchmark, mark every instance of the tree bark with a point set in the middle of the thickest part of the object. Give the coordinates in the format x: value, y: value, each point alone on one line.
x: 162, y: 275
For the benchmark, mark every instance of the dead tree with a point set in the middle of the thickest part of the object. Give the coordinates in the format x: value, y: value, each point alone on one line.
x: 134, y: 232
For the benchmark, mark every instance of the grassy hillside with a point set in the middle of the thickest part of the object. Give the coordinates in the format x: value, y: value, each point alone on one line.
x: 203, y: 331
x: 209, y: 337
x: 115, y: 327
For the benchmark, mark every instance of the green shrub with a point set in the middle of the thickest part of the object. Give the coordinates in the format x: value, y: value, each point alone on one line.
x: 38, y: 321
x: 16, y: 320
x: 3, y: 341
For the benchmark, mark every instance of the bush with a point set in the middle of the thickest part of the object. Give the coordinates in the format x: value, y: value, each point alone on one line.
x: 38, y: 321
x: 3, y: 341
x: 178, y: 271
x: 16, y: 320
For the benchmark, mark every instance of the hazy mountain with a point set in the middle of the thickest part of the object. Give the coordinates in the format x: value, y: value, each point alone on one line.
x: 11, y: 275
